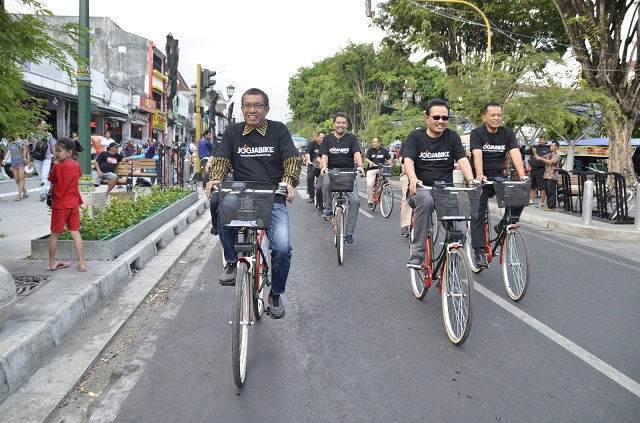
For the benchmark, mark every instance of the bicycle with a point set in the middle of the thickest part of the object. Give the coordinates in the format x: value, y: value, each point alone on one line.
x: 382, y: 192
x: 450, y: 267
x: 341, y: 181
x: 246, y: 206
x: 514, y: 256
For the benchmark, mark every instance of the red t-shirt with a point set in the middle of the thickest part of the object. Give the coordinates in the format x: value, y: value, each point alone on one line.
x: 64, y: 176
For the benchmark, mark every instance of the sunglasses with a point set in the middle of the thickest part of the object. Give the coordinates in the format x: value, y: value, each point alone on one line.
x: 445, y: 118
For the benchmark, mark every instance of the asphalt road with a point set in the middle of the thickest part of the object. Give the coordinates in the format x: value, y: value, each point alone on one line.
x: 357, y: 346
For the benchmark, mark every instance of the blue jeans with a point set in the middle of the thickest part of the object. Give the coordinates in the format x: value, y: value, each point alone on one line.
x: 279, y: 244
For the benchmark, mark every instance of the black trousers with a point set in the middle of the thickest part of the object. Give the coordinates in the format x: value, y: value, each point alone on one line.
x: 312, y: 173
x: 478, y: 234
x: 204, y: 174
x: 551, y: 188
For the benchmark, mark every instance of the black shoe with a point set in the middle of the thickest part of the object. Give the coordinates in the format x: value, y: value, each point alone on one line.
x: 214, y: 230
x: 228, y: 277
x: 276, y: 307
x: 481, y: 261
x: 405, y: 231
x: 370, y: 206
x: 497, y: 228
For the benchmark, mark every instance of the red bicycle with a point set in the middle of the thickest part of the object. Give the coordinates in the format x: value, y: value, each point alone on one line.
x: 382, y: 192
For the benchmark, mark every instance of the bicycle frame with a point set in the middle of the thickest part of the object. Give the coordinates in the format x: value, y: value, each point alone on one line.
x: 250, y: 248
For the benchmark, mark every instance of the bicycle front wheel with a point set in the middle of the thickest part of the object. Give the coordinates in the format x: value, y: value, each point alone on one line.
x: 386, y: 201
x: 340, y: 234
x: 457, y: 296
x: 515, y: 265
x: 468, y: 249
x: 240, y: 324
x: 262, y: 276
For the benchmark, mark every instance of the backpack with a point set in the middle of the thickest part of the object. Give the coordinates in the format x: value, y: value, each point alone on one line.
x: 39, y: 151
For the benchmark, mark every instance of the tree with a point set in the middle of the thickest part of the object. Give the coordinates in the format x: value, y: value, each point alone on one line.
x: 453, y: 32
x: 23, y: 39
x: 604, y: 36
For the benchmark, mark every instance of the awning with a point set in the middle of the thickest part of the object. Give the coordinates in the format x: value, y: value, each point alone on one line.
x: 107, y: 109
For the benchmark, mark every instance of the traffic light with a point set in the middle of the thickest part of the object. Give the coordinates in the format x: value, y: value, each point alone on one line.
x: 206, y: 80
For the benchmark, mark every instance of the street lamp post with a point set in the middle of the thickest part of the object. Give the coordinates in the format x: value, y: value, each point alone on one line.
x: 408, y: 96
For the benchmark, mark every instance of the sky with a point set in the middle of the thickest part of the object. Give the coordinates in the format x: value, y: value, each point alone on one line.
x: 250, y: 43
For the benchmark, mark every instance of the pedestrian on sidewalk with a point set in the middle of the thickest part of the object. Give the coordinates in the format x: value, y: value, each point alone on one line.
x: 66, y: 204
x: 18, y: 151
x: 537, y: 170
x: 41, y: 146
x: 551, y: 161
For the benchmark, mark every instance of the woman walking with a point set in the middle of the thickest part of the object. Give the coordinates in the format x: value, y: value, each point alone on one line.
x: 19, y: 153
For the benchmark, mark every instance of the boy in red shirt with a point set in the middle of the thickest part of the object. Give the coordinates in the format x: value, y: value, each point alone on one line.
x: 66, y: 204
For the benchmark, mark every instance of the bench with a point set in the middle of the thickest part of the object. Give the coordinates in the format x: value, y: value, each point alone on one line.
x: 144, y: 167
x: 123, y: 170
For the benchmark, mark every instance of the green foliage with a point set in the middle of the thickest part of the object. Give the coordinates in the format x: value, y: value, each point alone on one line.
x: 119, y: 215
x: 25, y: 39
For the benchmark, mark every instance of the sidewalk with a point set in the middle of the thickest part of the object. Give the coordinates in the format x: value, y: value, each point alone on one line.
x: 54, y: 303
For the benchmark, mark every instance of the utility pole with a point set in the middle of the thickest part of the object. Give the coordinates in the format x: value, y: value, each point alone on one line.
x: 83, y: 79
x: 198, y: 118
x: 171, y: 50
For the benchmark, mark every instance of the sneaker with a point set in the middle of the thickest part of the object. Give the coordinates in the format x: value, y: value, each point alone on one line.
x: 405, y: 231
x: 415, y: 262
x: 531, y: 203
x: 481, y: 261
x: 370, y: 206
x: 43, y: 197
x: 310, y: 200
x: 228, y: 276
x: 541, y: 205
x: 349, y: 240
x: 327, y: 214
x: 549, y: 209
x: 497, y: 228
x: 276, y: 307
x: 214, y: 230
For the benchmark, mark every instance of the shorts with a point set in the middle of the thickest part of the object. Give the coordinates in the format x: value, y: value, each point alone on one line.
x: 537, y: 179
x: 70, y: 217
x: 106, y: 175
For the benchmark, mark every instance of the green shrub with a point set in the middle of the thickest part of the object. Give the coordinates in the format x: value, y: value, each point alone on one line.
x: 120, y: 215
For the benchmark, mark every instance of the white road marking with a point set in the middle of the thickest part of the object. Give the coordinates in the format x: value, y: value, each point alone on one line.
x: 615, y: 375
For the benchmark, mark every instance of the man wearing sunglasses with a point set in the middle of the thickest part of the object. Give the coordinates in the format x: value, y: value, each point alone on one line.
x: 490, y: 144
x: 259, y: 150
x: 429, y: 156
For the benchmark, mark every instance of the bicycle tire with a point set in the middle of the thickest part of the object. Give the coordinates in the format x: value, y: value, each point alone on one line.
x: 262, y: 273
x: 386, y: 201
x: 515, y: 265
x: 468, y: 249
x: 340, y: 234
x: 457, y: 296
x: 240, y: 324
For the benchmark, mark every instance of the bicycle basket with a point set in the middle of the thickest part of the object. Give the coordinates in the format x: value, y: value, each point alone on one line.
x: 455, y: 203
x: 387, y: 170
x: 246, y: 204
x: 510, y: 193
x: 341, y: 179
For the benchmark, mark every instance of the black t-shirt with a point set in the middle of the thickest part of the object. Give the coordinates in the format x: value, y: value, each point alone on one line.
x: 107, y: 161
x: 542, y: 151
x: 340, y: 151
x: 494, y: 148
x: 312, y: 150
x: 433, y: 158
x: 255, y: 157
x: 378, y: 156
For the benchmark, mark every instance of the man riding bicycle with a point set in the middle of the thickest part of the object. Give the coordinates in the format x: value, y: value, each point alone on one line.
x: 260, y: 150
x: 490, y: 144
x: 375, y: 156
x: 339, y: 150
x: 429, y: 156
x: 312, y: 159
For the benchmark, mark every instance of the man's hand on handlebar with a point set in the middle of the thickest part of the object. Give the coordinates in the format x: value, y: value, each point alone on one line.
x: 211, y: 186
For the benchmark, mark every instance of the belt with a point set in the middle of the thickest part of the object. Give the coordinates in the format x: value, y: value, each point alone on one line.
x: 280, y: 199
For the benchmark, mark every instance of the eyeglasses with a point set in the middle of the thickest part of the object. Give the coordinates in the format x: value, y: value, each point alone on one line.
x: 257, y: 106
x: 445, y: 118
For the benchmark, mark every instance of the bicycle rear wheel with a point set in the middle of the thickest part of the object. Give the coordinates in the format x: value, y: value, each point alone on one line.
x: 339, y: 219
x: 240, y: 324
x: 515, y: 265
x: 386, y: 201
x: 457, y: 296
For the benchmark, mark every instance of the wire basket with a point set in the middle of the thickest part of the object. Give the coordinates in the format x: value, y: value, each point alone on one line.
x: 387, y: 170
x: 246, y: 204
x: 511, y: 193
x: 341, y: 179
x: 455, y: 203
